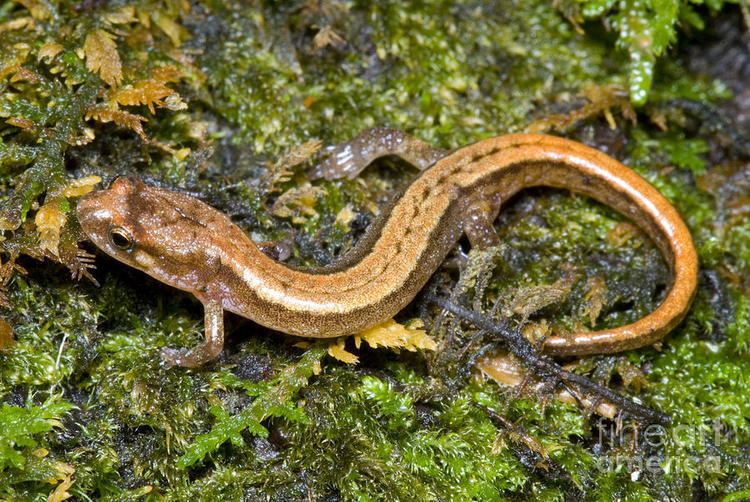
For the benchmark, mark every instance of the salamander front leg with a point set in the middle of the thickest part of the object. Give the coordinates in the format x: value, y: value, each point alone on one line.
x: 209, y: 349
x: 351, y: 158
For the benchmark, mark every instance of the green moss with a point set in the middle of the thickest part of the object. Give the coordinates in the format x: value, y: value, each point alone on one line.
x: 645, y: 30
x: 83, y: 387
x: 272, y: 399
x: 22, y: 456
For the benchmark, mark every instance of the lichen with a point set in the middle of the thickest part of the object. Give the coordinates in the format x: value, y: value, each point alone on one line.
x: 229, y: 101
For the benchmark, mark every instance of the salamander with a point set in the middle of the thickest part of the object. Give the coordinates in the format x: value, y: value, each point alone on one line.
x: 185, y: 243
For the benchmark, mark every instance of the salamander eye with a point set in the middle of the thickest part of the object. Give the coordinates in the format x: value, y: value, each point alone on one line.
x: 121, y: 238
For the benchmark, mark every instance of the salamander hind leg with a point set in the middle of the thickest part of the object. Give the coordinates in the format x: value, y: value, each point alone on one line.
x: 351, y: 158
x: 478, y: 221
x: 209, y: 349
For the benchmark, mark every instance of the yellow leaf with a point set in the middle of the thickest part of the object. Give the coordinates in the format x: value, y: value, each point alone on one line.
x: 336, y: 350
x: 345, y: 216
x: 49, y: 221
x: 326, y: 36
x: 122, y: 15
x: 102, y: 57
x: 298, y: 201
x: 65, y: 476
x: 144, y: 92
x: 81, y: 186
x: 36, y: 8
x: 174, y: 31
x: 25, y: 75
x: 48, y: 51
x: 394, y: 335
x: 20, y: 122
x: 119, y: 117
x: 17, y: 24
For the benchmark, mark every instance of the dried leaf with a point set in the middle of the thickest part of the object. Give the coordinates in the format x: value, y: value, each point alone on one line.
x: 81, y: 186
x: 123, y: 15
x: 337, y: 351
x: 6, y: 274
x: 622, y: 233
x: 48, y: 51
x: 632, y: 376
x: 119, y: 117
x: 298, y: 201
x: 601, y: 100
x: 167, y: 73
x: 394, y: 335
x: 345, y: 216
x: 20, y: 122
x: 175, y: 103
x: 174, y: 31
x: 102, y: 57
x: 595, y: 296
x: 281, y: 171
x: 531, y: 299
x: 6, y: 335
x: 65, y: 476
x: 144, y: 92
x: 37, y: 9
x: 325, y: 37
x: 17, y: 24
x: 25, y: 74
x: 298, y: 155
x: 536, y: 332
x: 49, y: 221
x: 505, y: 369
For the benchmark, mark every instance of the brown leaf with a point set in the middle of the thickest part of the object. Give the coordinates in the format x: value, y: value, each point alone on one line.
x: 531, y: 299
x: 25, y: 75
x: 596, y: 295
x: 48, y: 51
x: 6, y: 335
x: 325, y: 37
x: 123, y: 119
x: 145, y: 92
x: 601, y: 100
x: 102, y: 57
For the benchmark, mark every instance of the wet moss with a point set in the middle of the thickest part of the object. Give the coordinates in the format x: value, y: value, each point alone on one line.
x: 208, y: 98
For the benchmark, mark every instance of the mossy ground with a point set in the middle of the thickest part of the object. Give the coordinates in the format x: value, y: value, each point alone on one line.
x: 228, y: 89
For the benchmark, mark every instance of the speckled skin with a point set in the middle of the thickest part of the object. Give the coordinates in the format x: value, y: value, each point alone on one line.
x: 189, y: 245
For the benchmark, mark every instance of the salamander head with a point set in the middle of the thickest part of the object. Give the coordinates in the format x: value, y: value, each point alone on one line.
x: 159, y: 232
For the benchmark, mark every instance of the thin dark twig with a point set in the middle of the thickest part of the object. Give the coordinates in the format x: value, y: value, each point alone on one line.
x: 545, y: 367
x: 715, y: 122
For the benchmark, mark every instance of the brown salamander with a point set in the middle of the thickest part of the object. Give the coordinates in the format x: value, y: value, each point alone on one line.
x: 189, y: 245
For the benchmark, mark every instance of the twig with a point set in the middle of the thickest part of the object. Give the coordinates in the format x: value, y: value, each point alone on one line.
x: 544, y: 366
